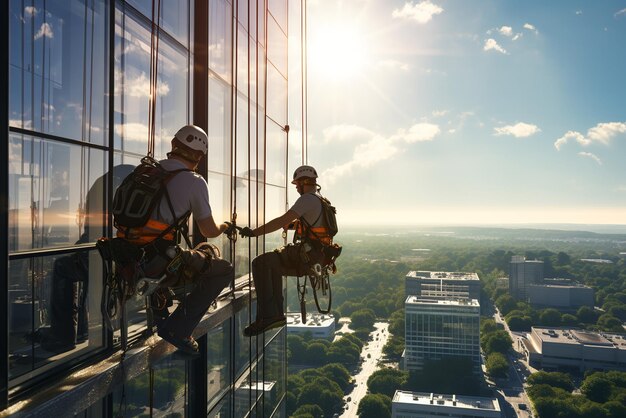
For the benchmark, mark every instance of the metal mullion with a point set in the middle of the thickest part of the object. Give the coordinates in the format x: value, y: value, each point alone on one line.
x: 43, y: 135
x: 43, y: 252
x: 4, y: 205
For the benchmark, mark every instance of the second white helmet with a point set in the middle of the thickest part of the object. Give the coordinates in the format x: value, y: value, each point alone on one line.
x: 304, y: 171
x: 194, y: 138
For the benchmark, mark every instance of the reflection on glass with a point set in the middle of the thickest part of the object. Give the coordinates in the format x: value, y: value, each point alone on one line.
x: 48, y: 309
x: 274, y: 362
x: 174, y: 16
x: 261, y: 21
x: 55, y: 193
x: 220, y: 24
x: 241, y: 350
x: 242, y: 61
x: 242, y: 137
x: 58, y: 72
x: 219, y: 132
x: 276, y: 46
x: 133, y: 398
x: 242, y: 196
x: 222, y: 410
x: 219, y: 199
x: 276, y: 95
x: 168, y: 388
x: 276, y: 153
x: 132, y: 89
x: 274, y: 207
x: 218, y: 361
x: 278, y: 9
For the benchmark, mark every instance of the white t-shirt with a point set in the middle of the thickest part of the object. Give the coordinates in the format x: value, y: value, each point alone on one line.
x: 188, y: 192
x: 309, y: 207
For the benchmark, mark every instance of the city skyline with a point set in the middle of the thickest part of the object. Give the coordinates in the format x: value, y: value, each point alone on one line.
x: 435, y: 112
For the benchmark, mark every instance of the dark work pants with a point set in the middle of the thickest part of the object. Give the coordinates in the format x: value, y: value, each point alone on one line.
x: 207, y: 287
x: 68, y: 307
x: 267, y: 272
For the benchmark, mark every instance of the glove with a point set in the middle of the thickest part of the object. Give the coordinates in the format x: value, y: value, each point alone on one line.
x: 231, y: 229
x: 246, y: 232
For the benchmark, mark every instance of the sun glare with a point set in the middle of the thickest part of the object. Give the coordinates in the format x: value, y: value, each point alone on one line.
x: 337, y: 51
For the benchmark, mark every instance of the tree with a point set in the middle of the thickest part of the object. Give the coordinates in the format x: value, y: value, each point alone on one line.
x: 337, y: 373
x: 609, y: 322
x: 615, y: 409
x: 498, y: 341
x: 506, y: 304
x: 308, y: 410
x: 519, y: 323
x: 556, y: 379
x: 323, y: 392
x: 363, y: 318
x: 586, y: 314
x: 386, y: 381
x: 597, y: 388
x: 316, y: 353
x: 375, y: 406
x: 555, y: 408
x: 569, y: 319
x: 497, y: 365
x: 550, y: 317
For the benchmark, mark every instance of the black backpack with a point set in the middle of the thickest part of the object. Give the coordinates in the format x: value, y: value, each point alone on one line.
x: 329, y: 213
x: 140, y: 192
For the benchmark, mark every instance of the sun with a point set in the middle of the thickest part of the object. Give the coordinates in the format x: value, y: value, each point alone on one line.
x: 337, y: 51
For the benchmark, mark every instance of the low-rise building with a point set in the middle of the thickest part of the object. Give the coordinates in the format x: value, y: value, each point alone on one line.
x: 421, y: 405
x: 567, y: 295
x: 575, y: 348
x: 318, y: 325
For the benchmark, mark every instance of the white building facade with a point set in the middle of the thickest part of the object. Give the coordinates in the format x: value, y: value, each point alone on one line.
x: 426, y: 405
x: 318, y: 325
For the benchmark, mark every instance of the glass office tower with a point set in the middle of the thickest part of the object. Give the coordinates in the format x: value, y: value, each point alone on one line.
x: 76, y: 116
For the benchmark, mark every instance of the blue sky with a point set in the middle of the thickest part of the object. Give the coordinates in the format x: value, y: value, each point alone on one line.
x: 469, y: 112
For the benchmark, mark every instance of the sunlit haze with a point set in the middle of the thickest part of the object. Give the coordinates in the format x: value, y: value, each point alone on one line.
x: 481, y: 112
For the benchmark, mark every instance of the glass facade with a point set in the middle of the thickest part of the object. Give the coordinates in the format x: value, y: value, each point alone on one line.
x: 435, y: 329
x: 83, y: 79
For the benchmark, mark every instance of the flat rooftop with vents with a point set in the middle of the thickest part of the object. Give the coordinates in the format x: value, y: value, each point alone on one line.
x: 421, y: 404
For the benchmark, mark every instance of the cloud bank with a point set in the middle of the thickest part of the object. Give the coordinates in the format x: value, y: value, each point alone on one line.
x: 376, y: 147
x: 602, y: 133
x: 421, y: 12
x: 519, y: 130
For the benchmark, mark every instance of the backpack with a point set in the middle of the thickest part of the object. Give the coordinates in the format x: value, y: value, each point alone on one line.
x: 140, y: 192
x: 329, y: 213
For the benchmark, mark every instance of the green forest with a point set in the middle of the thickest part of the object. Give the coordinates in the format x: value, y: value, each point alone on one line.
x: 370, y: 284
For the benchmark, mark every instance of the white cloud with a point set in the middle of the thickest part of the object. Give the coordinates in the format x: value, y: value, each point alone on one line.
x: 506, y: 31
x: 140, y: 87
x: 530, y: 27
x: 519, y: 130
x: 421, y: 12
x: 590, y: 155
x: 492, y: 44
x: 132, y: 131
x: 393, y: 65
x: 602, y: 132
x: 620, y: 12
x: 439, y: 113
x: 30, y: 11
x: 44, y: 30
x: 517, y: 36
x: 579, y: 12
x: 346, y: 133
x: 376, y: 148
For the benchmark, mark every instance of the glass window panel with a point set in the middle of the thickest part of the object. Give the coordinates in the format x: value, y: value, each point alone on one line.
x: 242, y: 61
x: 278, y: 9
x: 133, y: 398
x: 242, y: 197
x: 276, y: 46
x: 219, y: 126
x: 59, y: 77
x: 218, y: 361
x: 169, y: 388
x: 274, y: 207
x: 276, y: 95
x: 223, y: 409
x: 242, y: 168
x: 49, y: 187
x: 242, y: 13
x: 276, y: 154
x: 174, y: 16
x: 48, y: 313
x: 220, y: 34
x: 246, y: 395
x: 253, y: 19
x: 261, y: 21
x: 241, y: 350
x: 274, y: 368
x: 260, y: 98
x: 219, y: 199
x: 132, y: 89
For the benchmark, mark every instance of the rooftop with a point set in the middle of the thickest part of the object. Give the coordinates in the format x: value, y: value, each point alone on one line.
x: 418, y: 300
x: 452, y: 401
x: 294, y: 319
x: 579, y: 337
x: 445, y: 275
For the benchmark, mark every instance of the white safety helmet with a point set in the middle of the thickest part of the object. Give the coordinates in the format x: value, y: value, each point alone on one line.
x: 304, y: 171
x: 194, y: 138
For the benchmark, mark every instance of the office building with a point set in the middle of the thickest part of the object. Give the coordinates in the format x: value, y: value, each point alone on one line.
x: 436, y: 329
x: 317, y: 325
x: 552, y: 348
x: 523, y: 273
x: 88, y: 89
x: 423, y: 405
x: 442, y: 285
x: 555, y: 294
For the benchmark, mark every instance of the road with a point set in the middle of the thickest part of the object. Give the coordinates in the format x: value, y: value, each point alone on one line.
x: 512, y: 388
x: 371, y: 355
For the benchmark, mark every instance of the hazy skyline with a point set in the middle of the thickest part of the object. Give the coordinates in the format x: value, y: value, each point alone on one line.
x: 469, y: 112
